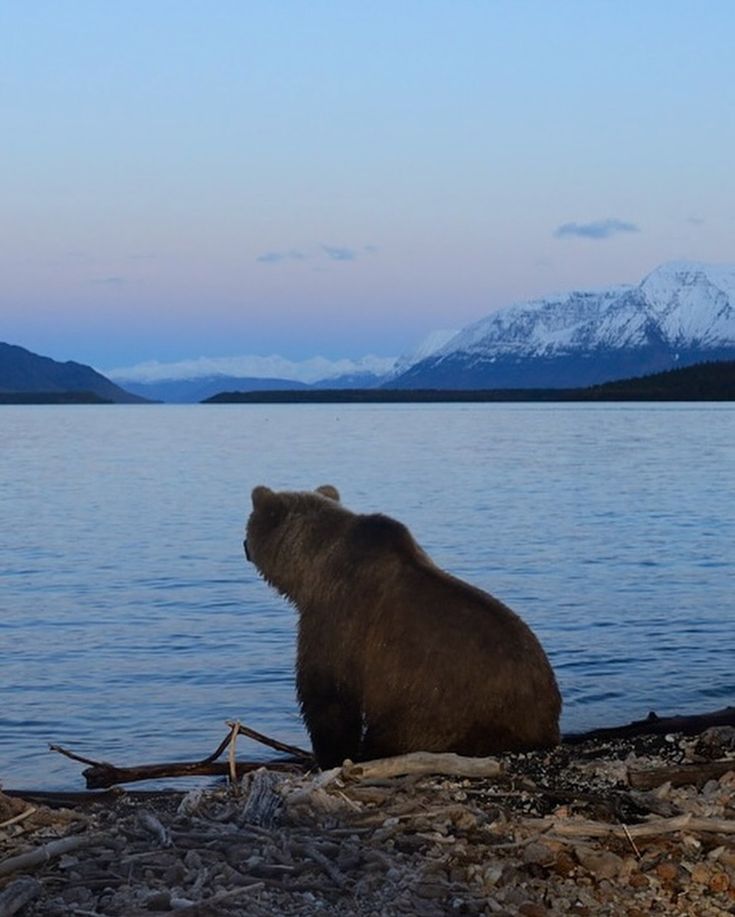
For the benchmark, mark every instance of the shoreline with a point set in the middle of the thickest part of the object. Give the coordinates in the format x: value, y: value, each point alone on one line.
x: 569, y: 830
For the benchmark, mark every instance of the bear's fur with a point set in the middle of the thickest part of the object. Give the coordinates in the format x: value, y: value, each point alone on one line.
x: 394, y: 654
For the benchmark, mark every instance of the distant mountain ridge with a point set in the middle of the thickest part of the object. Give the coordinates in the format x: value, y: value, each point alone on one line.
x: 680, y: 314
x: 701, y: 382
x: 24, y: 372
x: 190, y: 391
x: 162, y: 382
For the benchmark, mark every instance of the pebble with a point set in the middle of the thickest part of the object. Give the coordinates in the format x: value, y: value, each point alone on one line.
x: 532, y: 909
x: 538, y: 852
x: 602, y: 864
x: 667, y: 871
x: 701, y: 874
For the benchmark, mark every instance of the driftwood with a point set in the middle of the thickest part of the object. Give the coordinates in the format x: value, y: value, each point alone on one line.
x: 206, y: 906
x: 102, y: 774
x: 421, y: 762
x: 262, y: 803
x: 46, y: 852
x: 657, y: 725
x: 680, y: 774
x: 18, y: 894
x: 17, y: 818
x: 293, y: 750
x: 564, y: 828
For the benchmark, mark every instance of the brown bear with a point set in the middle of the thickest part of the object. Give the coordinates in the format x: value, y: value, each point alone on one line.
x: 394, y: 654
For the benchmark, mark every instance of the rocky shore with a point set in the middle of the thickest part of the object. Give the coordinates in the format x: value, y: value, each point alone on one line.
x: 618, y: 827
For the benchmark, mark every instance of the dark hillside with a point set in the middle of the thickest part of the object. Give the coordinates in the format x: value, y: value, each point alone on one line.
x: 24, y: 372
x: 702, y: 382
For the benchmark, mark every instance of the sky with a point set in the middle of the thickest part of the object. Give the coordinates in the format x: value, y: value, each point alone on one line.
x: 183, y: 179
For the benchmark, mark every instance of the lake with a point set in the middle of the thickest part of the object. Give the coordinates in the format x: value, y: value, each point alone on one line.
x: 132, y: 628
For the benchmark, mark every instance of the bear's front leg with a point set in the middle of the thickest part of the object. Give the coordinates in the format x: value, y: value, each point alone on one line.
x: 332, y: 716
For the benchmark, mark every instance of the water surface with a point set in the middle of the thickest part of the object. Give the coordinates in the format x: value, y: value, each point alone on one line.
x: 132, y: 627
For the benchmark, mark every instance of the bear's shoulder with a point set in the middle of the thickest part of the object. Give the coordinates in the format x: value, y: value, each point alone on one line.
x: 376, y: 533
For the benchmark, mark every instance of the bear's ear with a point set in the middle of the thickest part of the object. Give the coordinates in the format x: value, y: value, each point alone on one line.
x: 329, y: 491
x: 262, y: 496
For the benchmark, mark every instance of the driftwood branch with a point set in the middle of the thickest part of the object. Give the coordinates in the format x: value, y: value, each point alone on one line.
x: 46, y: 852
x: 102, y: 774
x: 271, y: 743
x: 679, y: 775
x: 563, y: 828
x: 658, y: 725
x: 105, y: 775
x: 20, y: 817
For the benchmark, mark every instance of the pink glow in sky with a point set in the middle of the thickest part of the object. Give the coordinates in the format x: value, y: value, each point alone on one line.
x: 184, y: 179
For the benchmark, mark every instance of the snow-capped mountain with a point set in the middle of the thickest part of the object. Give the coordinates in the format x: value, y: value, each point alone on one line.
x: 681, y: 313
x: 426, y: 347
x: 189, y: 381
x: 193, y: 380
x: 251, y: 366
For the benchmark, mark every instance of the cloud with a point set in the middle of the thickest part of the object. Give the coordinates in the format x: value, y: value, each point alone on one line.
x: 339, y: 253
x: 320, y: 252
x: 110, y: 281
x: 278, y: 257
x: 597, y: 229
x: 695, y: 221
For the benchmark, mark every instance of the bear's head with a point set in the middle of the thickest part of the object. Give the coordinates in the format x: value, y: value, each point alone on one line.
x: 288, y: 531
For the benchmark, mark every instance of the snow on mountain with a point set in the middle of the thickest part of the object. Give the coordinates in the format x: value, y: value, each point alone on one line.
x: 682, y: 311
x: 427, y: 346
x: 255, y: 367
x: 192, y: 380
x: 693, y: 302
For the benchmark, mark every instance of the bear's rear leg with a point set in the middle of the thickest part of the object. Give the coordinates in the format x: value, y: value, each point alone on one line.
x: 383, y: 740
x: 333, y: 720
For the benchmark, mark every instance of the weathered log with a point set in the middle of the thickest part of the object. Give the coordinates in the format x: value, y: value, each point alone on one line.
x: 679, y: 774
x: 263, y: 802
x: 562, y: 828
x: 46, y: 852
x: 657, y: 725
x: 421, y: 762
x: 18, y: 894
